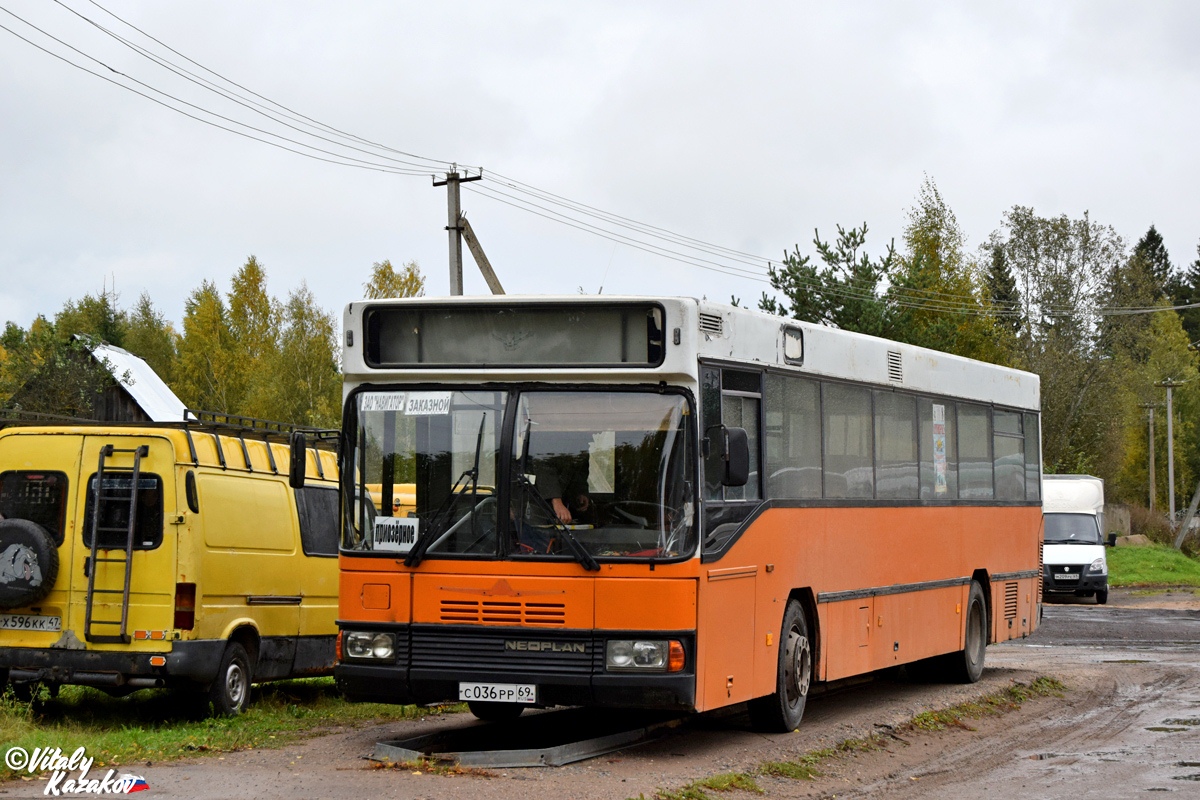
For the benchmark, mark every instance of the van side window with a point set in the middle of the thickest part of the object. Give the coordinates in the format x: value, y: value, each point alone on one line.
x: 317, y: 507
x: 114, y: 511
x: 39, y: 497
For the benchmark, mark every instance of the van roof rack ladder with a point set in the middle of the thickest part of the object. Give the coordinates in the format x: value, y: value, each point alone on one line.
x: 102, y: 500
x: 216, y: 424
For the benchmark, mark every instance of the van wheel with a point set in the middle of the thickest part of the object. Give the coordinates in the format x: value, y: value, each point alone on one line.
x: 230, y: 691
x: 781, y: 712
x: 1102, y: 597
x: 966, y: 666
x: 495, y: 712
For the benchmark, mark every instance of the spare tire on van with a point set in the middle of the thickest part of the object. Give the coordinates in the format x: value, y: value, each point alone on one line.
x: 28, y: 563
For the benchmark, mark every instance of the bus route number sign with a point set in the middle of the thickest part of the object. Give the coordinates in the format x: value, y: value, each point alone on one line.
x: 498, y: 692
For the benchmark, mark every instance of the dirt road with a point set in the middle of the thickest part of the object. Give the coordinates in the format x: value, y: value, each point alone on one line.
x: 1130, y: 723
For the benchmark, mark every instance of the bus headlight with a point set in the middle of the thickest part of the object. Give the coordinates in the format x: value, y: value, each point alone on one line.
x: 1098, y: 567
x: 363, y: 644
x: 651, y: 655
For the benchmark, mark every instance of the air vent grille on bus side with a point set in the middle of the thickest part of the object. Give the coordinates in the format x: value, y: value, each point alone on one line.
x: 712, y: 324
x: 1041, y: 572
x: 1011, y: 592
x: 502, y: 612
x: 895, y: 367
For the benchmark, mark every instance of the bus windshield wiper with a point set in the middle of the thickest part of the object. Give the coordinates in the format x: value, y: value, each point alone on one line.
x: 440, y: 520
x: 581, y: 554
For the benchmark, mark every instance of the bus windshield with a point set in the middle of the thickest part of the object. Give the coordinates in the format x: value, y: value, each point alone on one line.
x: 591, y: 475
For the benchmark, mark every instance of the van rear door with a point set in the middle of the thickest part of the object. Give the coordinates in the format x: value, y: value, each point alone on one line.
x: 38, y: 476
x: 109, y: 499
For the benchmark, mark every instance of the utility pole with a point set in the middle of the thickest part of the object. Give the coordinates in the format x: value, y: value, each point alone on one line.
x: 453, y: 213
x: 1150, y: 449
x: 1169, y: 384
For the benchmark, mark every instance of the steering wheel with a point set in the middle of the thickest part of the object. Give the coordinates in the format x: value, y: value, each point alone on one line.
x: 626, y: 509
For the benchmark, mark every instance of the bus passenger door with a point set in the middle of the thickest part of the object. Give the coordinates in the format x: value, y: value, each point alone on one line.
x: 725, y: 638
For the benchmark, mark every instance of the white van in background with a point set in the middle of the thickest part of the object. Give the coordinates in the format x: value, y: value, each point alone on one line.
x: 1073, y: 537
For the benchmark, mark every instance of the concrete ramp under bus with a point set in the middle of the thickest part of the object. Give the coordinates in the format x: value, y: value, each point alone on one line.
x: 548, y: 739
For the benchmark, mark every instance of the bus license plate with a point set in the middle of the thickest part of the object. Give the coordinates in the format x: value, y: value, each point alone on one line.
x: 498, y: 692
x: 29, y: 622
x: 1067, y: 576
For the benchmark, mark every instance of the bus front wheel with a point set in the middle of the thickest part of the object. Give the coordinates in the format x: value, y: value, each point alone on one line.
x: 781, y: 712
x: 966, y: 666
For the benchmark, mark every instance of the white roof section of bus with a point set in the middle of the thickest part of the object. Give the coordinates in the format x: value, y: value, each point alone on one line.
x: 746, y: 335
x: 142, y: 383
x: 1072, y: 494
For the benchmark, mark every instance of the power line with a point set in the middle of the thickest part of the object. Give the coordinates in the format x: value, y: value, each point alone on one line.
x: 683, y: 249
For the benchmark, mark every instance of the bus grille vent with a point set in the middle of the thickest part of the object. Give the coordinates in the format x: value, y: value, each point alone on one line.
x: 502, y: 612
x: 895, y: 367
x: 1011, y: 591
x: 712, y: 324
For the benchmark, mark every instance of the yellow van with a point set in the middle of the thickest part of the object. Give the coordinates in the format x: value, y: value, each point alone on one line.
x: 166, y: 554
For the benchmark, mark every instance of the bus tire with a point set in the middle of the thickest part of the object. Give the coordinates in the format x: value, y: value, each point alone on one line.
x: 966, y: 666
x: 1102, y: 597
x: 230, y: 690
x: 495, y: 712
x: 781, y: 712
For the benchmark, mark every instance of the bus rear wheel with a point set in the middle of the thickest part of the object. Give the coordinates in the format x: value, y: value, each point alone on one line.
x: 781, y: 712
x: 966, y: 666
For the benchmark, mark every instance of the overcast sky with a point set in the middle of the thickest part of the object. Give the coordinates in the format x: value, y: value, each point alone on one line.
x: 745, y: 128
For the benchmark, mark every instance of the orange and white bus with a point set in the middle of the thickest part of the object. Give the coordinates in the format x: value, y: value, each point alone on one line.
x: 670, y: 504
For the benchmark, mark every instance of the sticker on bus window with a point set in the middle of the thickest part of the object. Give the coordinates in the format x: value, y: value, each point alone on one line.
x: 939, y: 450
x: 427, y: 404
x: 395, y: 534
x: 382, y: 401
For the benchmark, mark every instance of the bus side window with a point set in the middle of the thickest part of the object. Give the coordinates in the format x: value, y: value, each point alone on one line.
x: 974, y: 452
x: 792, y: 438
x: 732, y: 398
x: 1033, y: 458
x: 1008, y: 447
x: 849, y: 441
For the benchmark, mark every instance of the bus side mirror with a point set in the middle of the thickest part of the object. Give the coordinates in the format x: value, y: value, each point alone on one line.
x: 298, y: 463
x: 737, y: 457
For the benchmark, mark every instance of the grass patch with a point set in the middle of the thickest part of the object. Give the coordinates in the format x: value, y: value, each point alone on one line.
x: 699, y: 790
x: 160, y: 724
x: 808, y: 766
x: 1008, y: 699
x: 1154, y: 565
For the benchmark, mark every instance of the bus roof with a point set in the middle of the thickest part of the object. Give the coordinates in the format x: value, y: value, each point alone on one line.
x: 726, y: 333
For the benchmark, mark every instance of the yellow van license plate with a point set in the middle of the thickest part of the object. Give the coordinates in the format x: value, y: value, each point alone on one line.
x: 498, y: 692
x: 29, y: 622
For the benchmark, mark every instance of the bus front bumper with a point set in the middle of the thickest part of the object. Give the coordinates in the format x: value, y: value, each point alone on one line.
x: 431, y: 662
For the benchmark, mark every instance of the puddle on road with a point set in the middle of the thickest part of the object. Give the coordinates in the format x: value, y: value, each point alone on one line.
x: 1127, y: 661
x: 1042, y: 756
x: 1192, y: 777
x: 1165, y: 729
x: 1190, y: 721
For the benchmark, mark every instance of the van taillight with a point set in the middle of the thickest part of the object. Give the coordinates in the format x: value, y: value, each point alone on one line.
x: 185, y: 606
